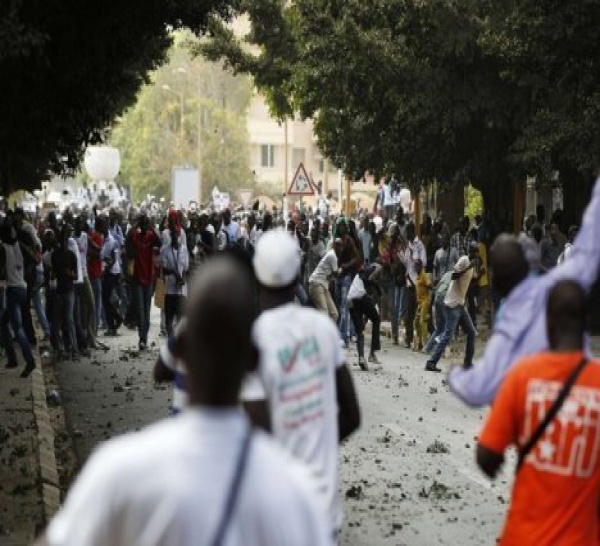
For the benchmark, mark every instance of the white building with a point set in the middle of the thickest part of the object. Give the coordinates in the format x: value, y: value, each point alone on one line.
x: 268, y: 149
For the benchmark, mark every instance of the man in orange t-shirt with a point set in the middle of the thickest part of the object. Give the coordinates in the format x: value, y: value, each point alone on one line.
x: 555, y: 494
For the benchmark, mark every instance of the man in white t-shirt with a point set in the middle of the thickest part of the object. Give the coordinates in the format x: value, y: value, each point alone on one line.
x: 456, y: 313
x: 170, y: 368
x: 303, y: 388
x: 204, y: 477
x: 318, y: 282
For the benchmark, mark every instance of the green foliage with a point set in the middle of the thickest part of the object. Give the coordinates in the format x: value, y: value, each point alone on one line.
x: 487, y: 91
x: 69, y: 68
x: 473, y: 202
x: 151, y: 139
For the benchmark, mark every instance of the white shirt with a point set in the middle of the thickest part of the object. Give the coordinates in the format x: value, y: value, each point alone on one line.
x: 14, y: 266
x: 175, y: 260
x: 168, y: 359
x: 72, y: 245
x: 233, y: 232
x: 82, y: 245
x: 326, y: 267
x: 111, y: 248
x: 457, y: 291
x: 167, y: 485
x: 387, y: 196
x: 165, y: 237
x: 28, y: 228
x: 415, y: 251
x: 300, y: 354
x: 443, y: 261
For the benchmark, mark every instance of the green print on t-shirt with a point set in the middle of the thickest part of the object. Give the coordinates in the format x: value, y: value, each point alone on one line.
x: 307, y: 349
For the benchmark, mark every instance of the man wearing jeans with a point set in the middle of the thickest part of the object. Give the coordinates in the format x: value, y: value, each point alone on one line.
x: 456, y: 313
x: 64, y: 273
x: 440, y: 311
x: 144, y: 241
x: 318, y: 283
x: 16, y: 295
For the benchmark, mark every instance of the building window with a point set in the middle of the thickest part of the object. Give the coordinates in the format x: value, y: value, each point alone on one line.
x: 267, y: 155
x: 298, y: 156
x: 321, y: 165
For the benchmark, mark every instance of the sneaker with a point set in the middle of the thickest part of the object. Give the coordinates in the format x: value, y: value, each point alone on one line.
x: 142, y: 346
x: 28, y: 369
x: 373, y: 359
x: 395, y: 341
x: 111, y: 332
x: 85, y: 352
x: 11, y: 365
x: 429, y: 367
x: 363, y: 364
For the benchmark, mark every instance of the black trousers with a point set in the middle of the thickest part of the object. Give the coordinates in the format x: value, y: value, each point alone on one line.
x: 410, y: 309
x: 27, y: 317
x: 362, y: 309
x: 110, y: 282
x: 174, y: 304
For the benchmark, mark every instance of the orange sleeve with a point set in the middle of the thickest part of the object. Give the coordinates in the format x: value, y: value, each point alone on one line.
x: 501, y: 427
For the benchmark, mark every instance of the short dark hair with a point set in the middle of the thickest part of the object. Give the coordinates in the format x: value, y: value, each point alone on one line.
x: 217, y: 342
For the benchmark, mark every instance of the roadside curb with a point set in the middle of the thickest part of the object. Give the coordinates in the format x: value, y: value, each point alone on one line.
x: 48, y: 470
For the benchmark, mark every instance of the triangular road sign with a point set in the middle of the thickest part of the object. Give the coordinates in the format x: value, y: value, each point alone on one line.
x: 301, y: 184
x: 245, y: 195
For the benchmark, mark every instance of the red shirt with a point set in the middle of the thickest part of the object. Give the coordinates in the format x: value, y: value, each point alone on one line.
x: 94, y: 262
x: 144, y: 243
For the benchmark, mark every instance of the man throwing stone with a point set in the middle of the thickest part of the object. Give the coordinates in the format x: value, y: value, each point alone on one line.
x: 520, y: 327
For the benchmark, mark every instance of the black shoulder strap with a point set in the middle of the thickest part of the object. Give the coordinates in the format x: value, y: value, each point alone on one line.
x: 234, y: 489
x: 552, y: 412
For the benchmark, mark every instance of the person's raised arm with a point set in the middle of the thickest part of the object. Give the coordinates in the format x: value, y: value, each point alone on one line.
x: 477, y: 385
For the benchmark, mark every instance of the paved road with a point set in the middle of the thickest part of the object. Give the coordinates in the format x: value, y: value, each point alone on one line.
x: 398, y: 493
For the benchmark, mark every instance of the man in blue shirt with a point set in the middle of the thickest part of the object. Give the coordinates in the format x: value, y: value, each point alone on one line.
x: 231, y: 228
x: 520, y: 329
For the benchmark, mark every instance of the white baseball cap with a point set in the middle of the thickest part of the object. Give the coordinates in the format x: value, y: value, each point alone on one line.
x: 462, y: 264
x: 276, y: 259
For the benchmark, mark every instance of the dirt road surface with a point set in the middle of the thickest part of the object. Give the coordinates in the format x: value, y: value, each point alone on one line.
x: 408, y: 477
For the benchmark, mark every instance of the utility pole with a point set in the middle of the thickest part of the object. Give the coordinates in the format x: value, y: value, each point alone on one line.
x: 285, y: 169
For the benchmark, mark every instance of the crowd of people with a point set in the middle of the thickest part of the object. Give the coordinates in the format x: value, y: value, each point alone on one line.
x: 96, y: 272
x: 292, y: 295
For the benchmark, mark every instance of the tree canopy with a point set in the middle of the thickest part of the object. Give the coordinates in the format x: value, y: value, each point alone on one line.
x: 486, y: 92
x: 214, y: 135
x: 69, y: 67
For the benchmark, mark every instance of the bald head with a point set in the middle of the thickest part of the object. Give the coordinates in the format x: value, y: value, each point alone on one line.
x: 217, y: 345
x: 508, y: 263
x: 566, y: 316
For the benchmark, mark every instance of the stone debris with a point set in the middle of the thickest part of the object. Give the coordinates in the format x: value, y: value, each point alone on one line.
x: 438, y: 491
x: 438, y: 447
x: 355, y: 492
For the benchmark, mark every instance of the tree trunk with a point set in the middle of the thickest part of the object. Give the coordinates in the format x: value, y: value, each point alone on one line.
x: 451, y: 202
x: 577, y: 190
x: 498, y: 202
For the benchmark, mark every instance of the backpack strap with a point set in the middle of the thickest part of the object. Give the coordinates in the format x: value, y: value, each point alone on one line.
x: 552, y: 412
x: 234, y: 489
